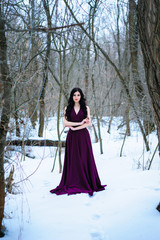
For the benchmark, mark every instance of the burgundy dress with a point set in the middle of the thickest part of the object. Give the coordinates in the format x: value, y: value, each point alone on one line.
x: 79, y: 171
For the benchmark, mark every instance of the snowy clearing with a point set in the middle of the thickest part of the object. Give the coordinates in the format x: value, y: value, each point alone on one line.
x: 125, y: 210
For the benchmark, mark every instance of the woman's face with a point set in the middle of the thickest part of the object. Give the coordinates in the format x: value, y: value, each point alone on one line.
x: 76, y: 97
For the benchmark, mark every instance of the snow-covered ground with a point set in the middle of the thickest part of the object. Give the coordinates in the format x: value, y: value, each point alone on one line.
x: 126, y: 210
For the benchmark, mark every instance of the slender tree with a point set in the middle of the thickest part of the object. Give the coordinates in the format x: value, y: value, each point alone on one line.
x: 6, y: 105
x: 34, y: 66
x: 45, y: 71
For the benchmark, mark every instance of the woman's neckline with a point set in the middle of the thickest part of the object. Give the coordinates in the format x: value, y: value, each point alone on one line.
x: 78, y: 110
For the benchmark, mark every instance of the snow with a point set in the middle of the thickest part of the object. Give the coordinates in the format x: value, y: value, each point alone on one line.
x: 125, y: 210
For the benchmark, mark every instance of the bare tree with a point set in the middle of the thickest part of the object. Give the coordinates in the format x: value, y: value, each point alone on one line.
x: 149, y: 30
x: 45, y: 71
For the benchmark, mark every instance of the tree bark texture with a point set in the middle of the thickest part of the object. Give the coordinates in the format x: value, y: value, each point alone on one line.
x: 65, y: 79
x: 133, y: 45
x: 139, y: 89
x: 45, y: 72
x: 118, y: 36
x: 16, y: 115
x: 149, y: 31
x: 6, y: 105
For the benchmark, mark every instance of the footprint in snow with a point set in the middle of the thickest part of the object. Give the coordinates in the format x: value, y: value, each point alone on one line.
x: 46, y: 183
x: 96, y: 235
x: 96, y: 216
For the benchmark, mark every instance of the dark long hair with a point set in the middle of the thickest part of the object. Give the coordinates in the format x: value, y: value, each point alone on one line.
x: 70, y: 106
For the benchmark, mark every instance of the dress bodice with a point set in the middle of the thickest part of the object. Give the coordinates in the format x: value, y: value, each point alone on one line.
x: 77, y: 117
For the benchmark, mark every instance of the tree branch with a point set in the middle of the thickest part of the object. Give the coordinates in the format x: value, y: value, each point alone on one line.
x: 43, y: 29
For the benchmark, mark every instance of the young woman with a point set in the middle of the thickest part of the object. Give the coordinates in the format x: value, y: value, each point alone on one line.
x: 79, y: 171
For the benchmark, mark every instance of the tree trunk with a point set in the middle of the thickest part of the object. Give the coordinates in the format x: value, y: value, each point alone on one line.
x: 33, y: 68
x: 149, y: 31
x: 95, y: 133
x: 16, y: 114
x: 87, y: 68
x: 58, y: 113
x: 128, y: 131
x: 45, y: 73
x: 45, y: 81
x: 126, y: 66
x: 133, y: 45
x: 139, y: 90
x: 88, y: 41
x: 93, y: 79
x: 65, y: 80
x: 6, y: 105
x: 118, y: 35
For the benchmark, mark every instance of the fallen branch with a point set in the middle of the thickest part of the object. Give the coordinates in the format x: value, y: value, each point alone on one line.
x: 36, y: 142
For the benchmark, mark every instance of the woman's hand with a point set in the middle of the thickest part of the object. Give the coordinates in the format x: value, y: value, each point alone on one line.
x: 86, y: 120
x: 72, y: 128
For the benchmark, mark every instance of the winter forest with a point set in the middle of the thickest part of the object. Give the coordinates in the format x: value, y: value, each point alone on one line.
x: 111, y: 50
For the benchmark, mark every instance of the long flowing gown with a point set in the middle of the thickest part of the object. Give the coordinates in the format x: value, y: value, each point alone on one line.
x: 79, y: 174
